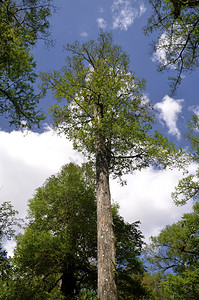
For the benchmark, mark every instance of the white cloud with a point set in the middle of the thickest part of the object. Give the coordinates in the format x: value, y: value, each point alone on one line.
x: 124, y: 13
x: 142, y: 9
x: 168, y: 43
x: 27, y: 160
x: 169, y: 110
x: 147, y: 197
x: 101, y: 23
x: 195, y: 110
x: 160, y: 53
x: 84, y: 34
x: 101, y: 10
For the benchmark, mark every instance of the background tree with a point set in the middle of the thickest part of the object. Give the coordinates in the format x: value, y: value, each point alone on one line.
x: 129, y: 268
x: 152, y: 282
x: 106, y: 115
x: 57, y: 254
x: 188, y: 186
x: 177, y: 23
x: 8, y: 221
x: 175, y: 252
x: 58, y: 245
x: 22, y: 23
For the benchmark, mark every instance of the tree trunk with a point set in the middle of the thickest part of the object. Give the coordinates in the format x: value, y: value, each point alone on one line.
x: 68, y: 282
x: 107, y: 289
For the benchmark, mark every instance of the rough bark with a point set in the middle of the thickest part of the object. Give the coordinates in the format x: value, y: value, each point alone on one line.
x: 107, y: 289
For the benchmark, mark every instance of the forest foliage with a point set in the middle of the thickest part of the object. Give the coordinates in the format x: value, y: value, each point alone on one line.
x: 23, y: 23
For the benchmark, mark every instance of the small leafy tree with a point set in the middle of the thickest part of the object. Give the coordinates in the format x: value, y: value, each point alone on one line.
x: 177, y: 23
x: 175, y: 252
x: 104, y: 111
x: 22, y: 23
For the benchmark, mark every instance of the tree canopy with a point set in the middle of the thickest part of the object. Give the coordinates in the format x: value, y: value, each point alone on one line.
x: 177, y: 23
x: 22, y: 24
x: 98, y: 95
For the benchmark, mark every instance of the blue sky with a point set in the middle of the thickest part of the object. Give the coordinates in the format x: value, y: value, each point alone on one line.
x: 28, y: 158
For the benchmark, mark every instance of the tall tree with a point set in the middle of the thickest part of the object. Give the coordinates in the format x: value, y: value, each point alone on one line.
x: 56, y: 256
x: 106, y: 115
x: 177, y: 23
x: 22, y: 23
x: 175, y: 252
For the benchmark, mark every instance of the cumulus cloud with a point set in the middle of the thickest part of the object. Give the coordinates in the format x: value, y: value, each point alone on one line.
x: 28, y: 159
x: 169, y: 110
x: 145, y: 198
x: 101, y: 23
x: 124, y: 13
